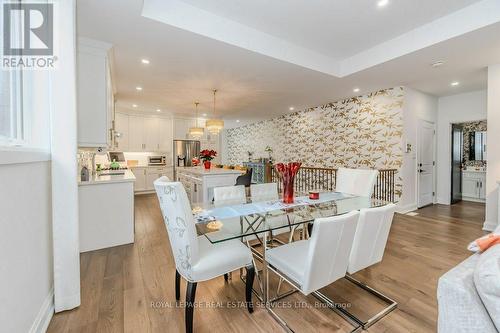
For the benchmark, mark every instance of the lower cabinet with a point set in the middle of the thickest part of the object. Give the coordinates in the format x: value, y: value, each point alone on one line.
x: 474, y: 186
x: 145, y: 177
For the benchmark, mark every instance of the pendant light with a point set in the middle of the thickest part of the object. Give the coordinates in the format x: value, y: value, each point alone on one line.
x: 214, y: 126
x: 196, y: 132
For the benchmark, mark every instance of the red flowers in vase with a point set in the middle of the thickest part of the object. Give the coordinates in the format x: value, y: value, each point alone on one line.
x: 206, y: 156
x: 287, y: 174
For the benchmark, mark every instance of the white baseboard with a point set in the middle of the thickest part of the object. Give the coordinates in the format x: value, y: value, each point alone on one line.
x: 406, y: 208
x: 45, y: 314
x: 489, y: 225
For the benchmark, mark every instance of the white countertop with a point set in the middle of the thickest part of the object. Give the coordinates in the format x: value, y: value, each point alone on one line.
x: 128, y: 176
x: 472, y: 170
x: 150, y: 166
x: 200, y: 171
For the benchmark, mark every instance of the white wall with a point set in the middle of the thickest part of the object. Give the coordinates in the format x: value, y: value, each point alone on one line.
x: 454, y: 109
x: 417, y: 106
x: 493, y: 166
x: 25, y: 246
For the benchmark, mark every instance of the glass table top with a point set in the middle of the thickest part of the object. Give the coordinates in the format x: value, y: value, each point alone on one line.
x: 232, y: 220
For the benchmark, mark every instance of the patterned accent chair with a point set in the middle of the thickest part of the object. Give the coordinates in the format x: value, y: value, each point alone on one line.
x: 196, y: 258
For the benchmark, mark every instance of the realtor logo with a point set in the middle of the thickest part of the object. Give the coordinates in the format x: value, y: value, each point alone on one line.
x: 35, y: 25
x: 28, y: 35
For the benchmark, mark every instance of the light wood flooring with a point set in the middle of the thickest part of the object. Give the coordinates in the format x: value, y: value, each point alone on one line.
x: 130, y: 288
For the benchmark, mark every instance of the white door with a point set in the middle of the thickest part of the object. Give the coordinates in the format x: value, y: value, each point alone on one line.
x: 136, y: 133
x: 166, y: 137
x: 425, y: 163
x: 151, y: 132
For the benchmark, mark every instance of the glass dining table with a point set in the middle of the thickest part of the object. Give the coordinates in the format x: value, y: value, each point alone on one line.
x: 259, y: 221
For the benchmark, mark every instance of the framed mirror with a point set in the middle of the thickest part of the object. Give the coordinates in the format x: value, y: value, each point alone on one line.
x: 477, y: 146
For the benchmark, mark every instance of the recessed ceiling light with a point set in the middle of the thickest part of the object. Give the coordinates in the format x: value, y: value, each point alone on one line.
x: 291, y: 108
x: 237, y: 120
x: 145, y: 61
x: 437, y: 63
x: 356, y: 90
x: 454, y: 84
x: 158, y: 110
x: 204, y: 115
x: 382, y: 3
x: 138, y: 88
x: 134, y: 105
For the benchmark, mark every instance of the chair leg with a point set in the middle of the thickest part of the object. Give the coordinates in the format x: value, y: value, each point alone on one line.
x: 249, y: 286
x: 177, y: 285
x: 190, y: 295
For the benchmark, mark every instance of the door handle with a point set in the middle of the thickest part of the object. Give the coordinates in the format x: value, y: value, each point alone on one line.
x: 421, y: 170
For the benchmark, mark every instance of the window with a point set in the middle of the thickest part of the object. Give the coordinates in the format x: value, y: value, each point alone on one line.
x: 11, y: 108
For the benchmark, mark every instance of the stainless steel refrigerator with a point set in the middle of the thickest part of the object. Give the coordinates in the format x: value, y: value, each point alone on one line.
x: 184, y: 151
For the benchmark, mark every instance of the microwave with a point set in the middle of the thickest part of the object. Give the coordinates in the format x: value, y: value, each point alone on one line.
x: 157, y: 160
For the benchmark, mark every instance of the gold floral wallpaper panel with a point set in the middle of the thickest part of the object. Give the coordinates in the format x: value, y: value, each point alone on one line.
x: 359, y: 132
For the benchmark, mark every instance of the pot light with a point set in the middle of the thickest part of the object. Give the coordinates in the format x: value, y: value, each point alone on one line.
x: 237, y: 120
x: 134, y: 105
x: 437, y: 64
x: 382, y: 3
x: 454, y: 84
x: 158, y: 110
x: 291, y: 108
x: 356, y: 90
x: 145, y: 61
x: 204, y: 115
x: 138, y: 88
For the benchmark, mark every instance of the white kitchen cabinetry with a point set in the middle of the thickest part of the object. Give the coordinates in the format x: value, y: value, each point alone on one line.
x: 474, y: 186
x: 166, y: 135
x: 95, y: 100
x: 181, y: 128
x: 121, y: 126
x: 140, y: 179
x: 145, y: 177
x: 151, y: 134
x: 136, y: 133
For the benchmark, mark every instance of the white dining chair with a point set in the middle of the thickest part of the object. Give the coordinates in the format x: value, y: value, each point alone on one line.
x: 312, y: 264
x: 264, y: 192
x: 196, y: 258
x: 358, y: 182
x: 368, y: 249
x: 225, y: 195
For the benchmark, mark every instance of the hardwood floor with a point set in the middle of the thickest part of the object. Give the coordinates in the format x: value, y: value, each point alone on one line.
x: 131, y: 288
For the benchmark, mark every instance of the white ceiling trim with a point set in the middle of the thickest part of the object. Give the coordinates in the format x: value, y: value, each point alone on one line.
x: 187, y: 17
x: 468, y: 19
x: 202, y: 22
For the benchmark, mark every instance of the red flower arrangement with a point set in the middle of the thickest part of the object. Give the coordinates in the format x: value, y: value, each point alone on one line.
x: 206, y: 156
x: 287, y: 174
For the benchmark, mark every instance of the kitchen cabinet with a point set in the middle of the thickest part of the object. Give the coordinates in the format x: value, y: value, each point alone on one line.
x: 140, y: 179
x: 121, y: 127
x: 166, y: 135
x: 145, y: 177
x: 95, y: 101
x: 149, y: 134
x: 136, y: 133
x: 474, y: 186
x: 181, y: 128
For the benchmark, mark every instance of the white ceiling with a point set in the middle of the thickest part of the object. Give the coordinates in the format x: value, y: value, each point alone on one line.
x: 338, y: 29
x: 186, y: 66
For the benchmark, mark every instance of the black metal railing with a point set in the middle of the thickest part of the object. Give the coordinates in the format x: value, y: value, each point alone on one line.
x: 310, y: 178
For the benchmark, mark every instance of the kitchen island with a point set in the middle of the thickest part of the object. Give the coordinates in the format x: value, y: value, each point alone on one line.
x: 106, y: 211
x: 200, y: 183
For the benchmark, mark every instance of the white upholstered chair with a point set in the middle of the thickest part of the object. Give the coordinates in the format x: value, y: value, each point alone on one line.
x: 322, y: 259
x: 196, y: 259
x: 263, y: 192
x: 368, y: 248
x: 230, y: 195
x: 356, y: 181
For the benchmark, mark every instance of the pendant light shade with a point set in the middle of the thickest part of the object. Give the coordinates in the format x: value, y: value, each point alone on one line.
x: 196, y: 132
x: 214, y: 125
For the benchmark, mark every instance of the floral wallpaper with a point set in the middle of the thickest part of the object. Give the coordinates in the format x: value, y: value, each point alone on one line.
x: 468, y: 128
x: 359, y: 132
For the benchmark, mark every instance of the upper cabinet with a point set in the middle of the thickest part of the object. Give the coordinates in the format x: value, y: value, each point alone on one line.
x: 181, y: 128
x: 95, y: 94
x: 143, y: 133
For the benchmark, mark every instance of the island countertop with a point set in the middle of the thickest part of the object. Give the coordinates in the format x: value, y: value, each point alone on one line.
x: 200, y: 171
x: 128, y: 176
